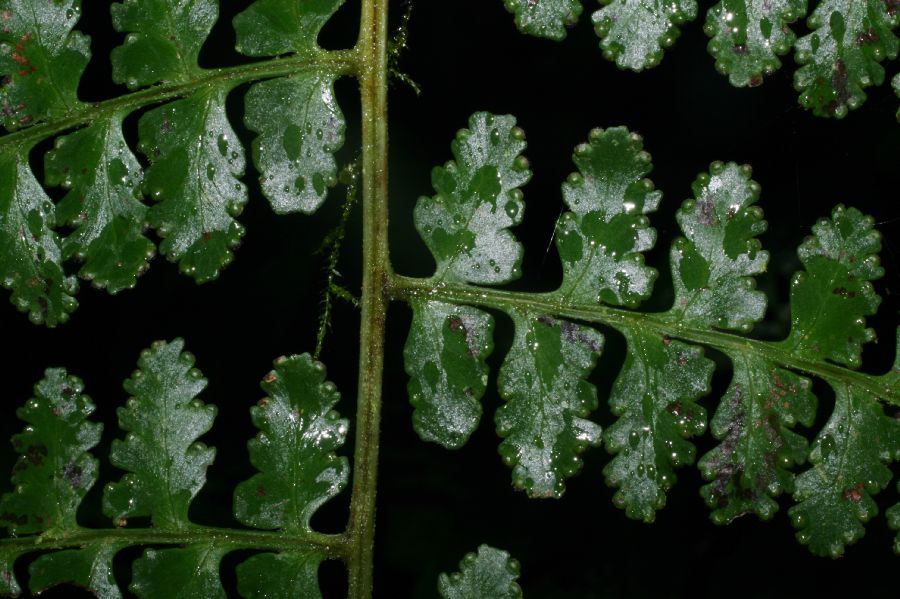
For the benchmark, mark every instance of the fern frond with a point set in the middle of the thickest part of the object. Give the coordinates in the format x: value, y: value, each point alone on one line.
x: 655, y: 397
x: 299, y: 471
x: 196, y: 160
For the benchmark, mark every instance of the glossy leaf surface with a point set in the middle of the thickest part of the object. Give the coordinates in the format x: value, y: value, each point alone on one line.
x: 163, y: 418
x: 30, y: 253
x: 164, y: 39
x: 41, y: 60
x: 89, y: 568
x: 545, y: 18
x: 102, y: 205
x: 848, y: 457
x: 601, y: 240
x: 54, y: 470
x: 751, y: 465
x: 830, y: 300
x: 188, y: 573
x: 294, y: 450
x: 842, y: 56
x: 748, y: 36
x: 489, y: 574
x: 195, y: 162
x: 713, y: 265
x: 543, y: 422
x: 445, y: 358
x: 654, y: 398
x: 478, y: 197
x: 280, y: 576
x: 271, y: 27
x: 635, y: 33
x: 300, y: 128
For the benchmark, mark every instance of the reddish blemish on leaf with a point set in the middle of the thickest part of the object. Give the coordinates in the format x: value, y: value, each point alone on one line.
x: 854, y: 494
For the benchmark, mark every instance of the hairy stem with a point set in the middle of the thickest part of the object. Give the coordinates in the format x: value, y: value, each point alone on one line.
x: 342, y: 62
x: 373, y: 78
x: 405, y: 288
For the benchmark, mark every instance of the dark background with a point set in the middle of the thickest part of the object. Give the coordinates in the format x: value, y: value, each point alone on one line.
x: 435, y: 505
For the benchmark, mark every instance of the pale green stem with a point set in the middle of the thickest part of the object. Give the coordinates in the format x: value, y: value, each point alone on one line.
x: 373, y: 75
x: 333, y: 546
x: 406, y: 288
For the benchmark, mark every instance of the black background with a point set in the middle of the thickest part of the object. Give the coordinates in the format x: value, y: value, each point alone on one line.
x: 435, y: 505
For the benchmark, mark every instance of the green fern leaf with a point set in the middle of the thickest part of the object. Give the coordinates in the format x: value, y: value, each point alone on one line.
x: 54, y: 471
x: 300, y: 127
x: 9, y: 586
x: 478, y: 197
x: 545, y: 18
x: 164, y: 39
x: 893, y: 518
x: 445, y: 359
x: 654, y: 398
x: 89, y: 568
x: 299, y: 123
x: 893, y: 513
x: 280, y: 576
x: 41, y: 60
x: 830, y: 300
x: 848, y: 457
x: 896, y: 83
x: 635, y: 33
x: 299, y: 432
x: 272, y: 27
x: 841, y: 56
x: 195, y: 162
x: 31, y: 263
x: 103, y: 204
x: 748, y: 36
x: 489, y: 574
x: 602, y: 239
x: 294, y: 451
x: 751, y: 465
x: 547, y: 398
x: 166, y: 465
x: 712, y: 266
x: 187, y: 573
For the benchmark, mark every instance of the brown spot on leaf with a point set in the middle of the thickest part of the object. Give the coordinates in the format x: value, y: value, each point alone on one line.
x: 13, y: 518
x: 840, y: 83
x: 35, y: 454
x: 456, y: 324
x: 260, y: 491
x: 271, y: 377
x: 854, y: 494
x: 867, y: 37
